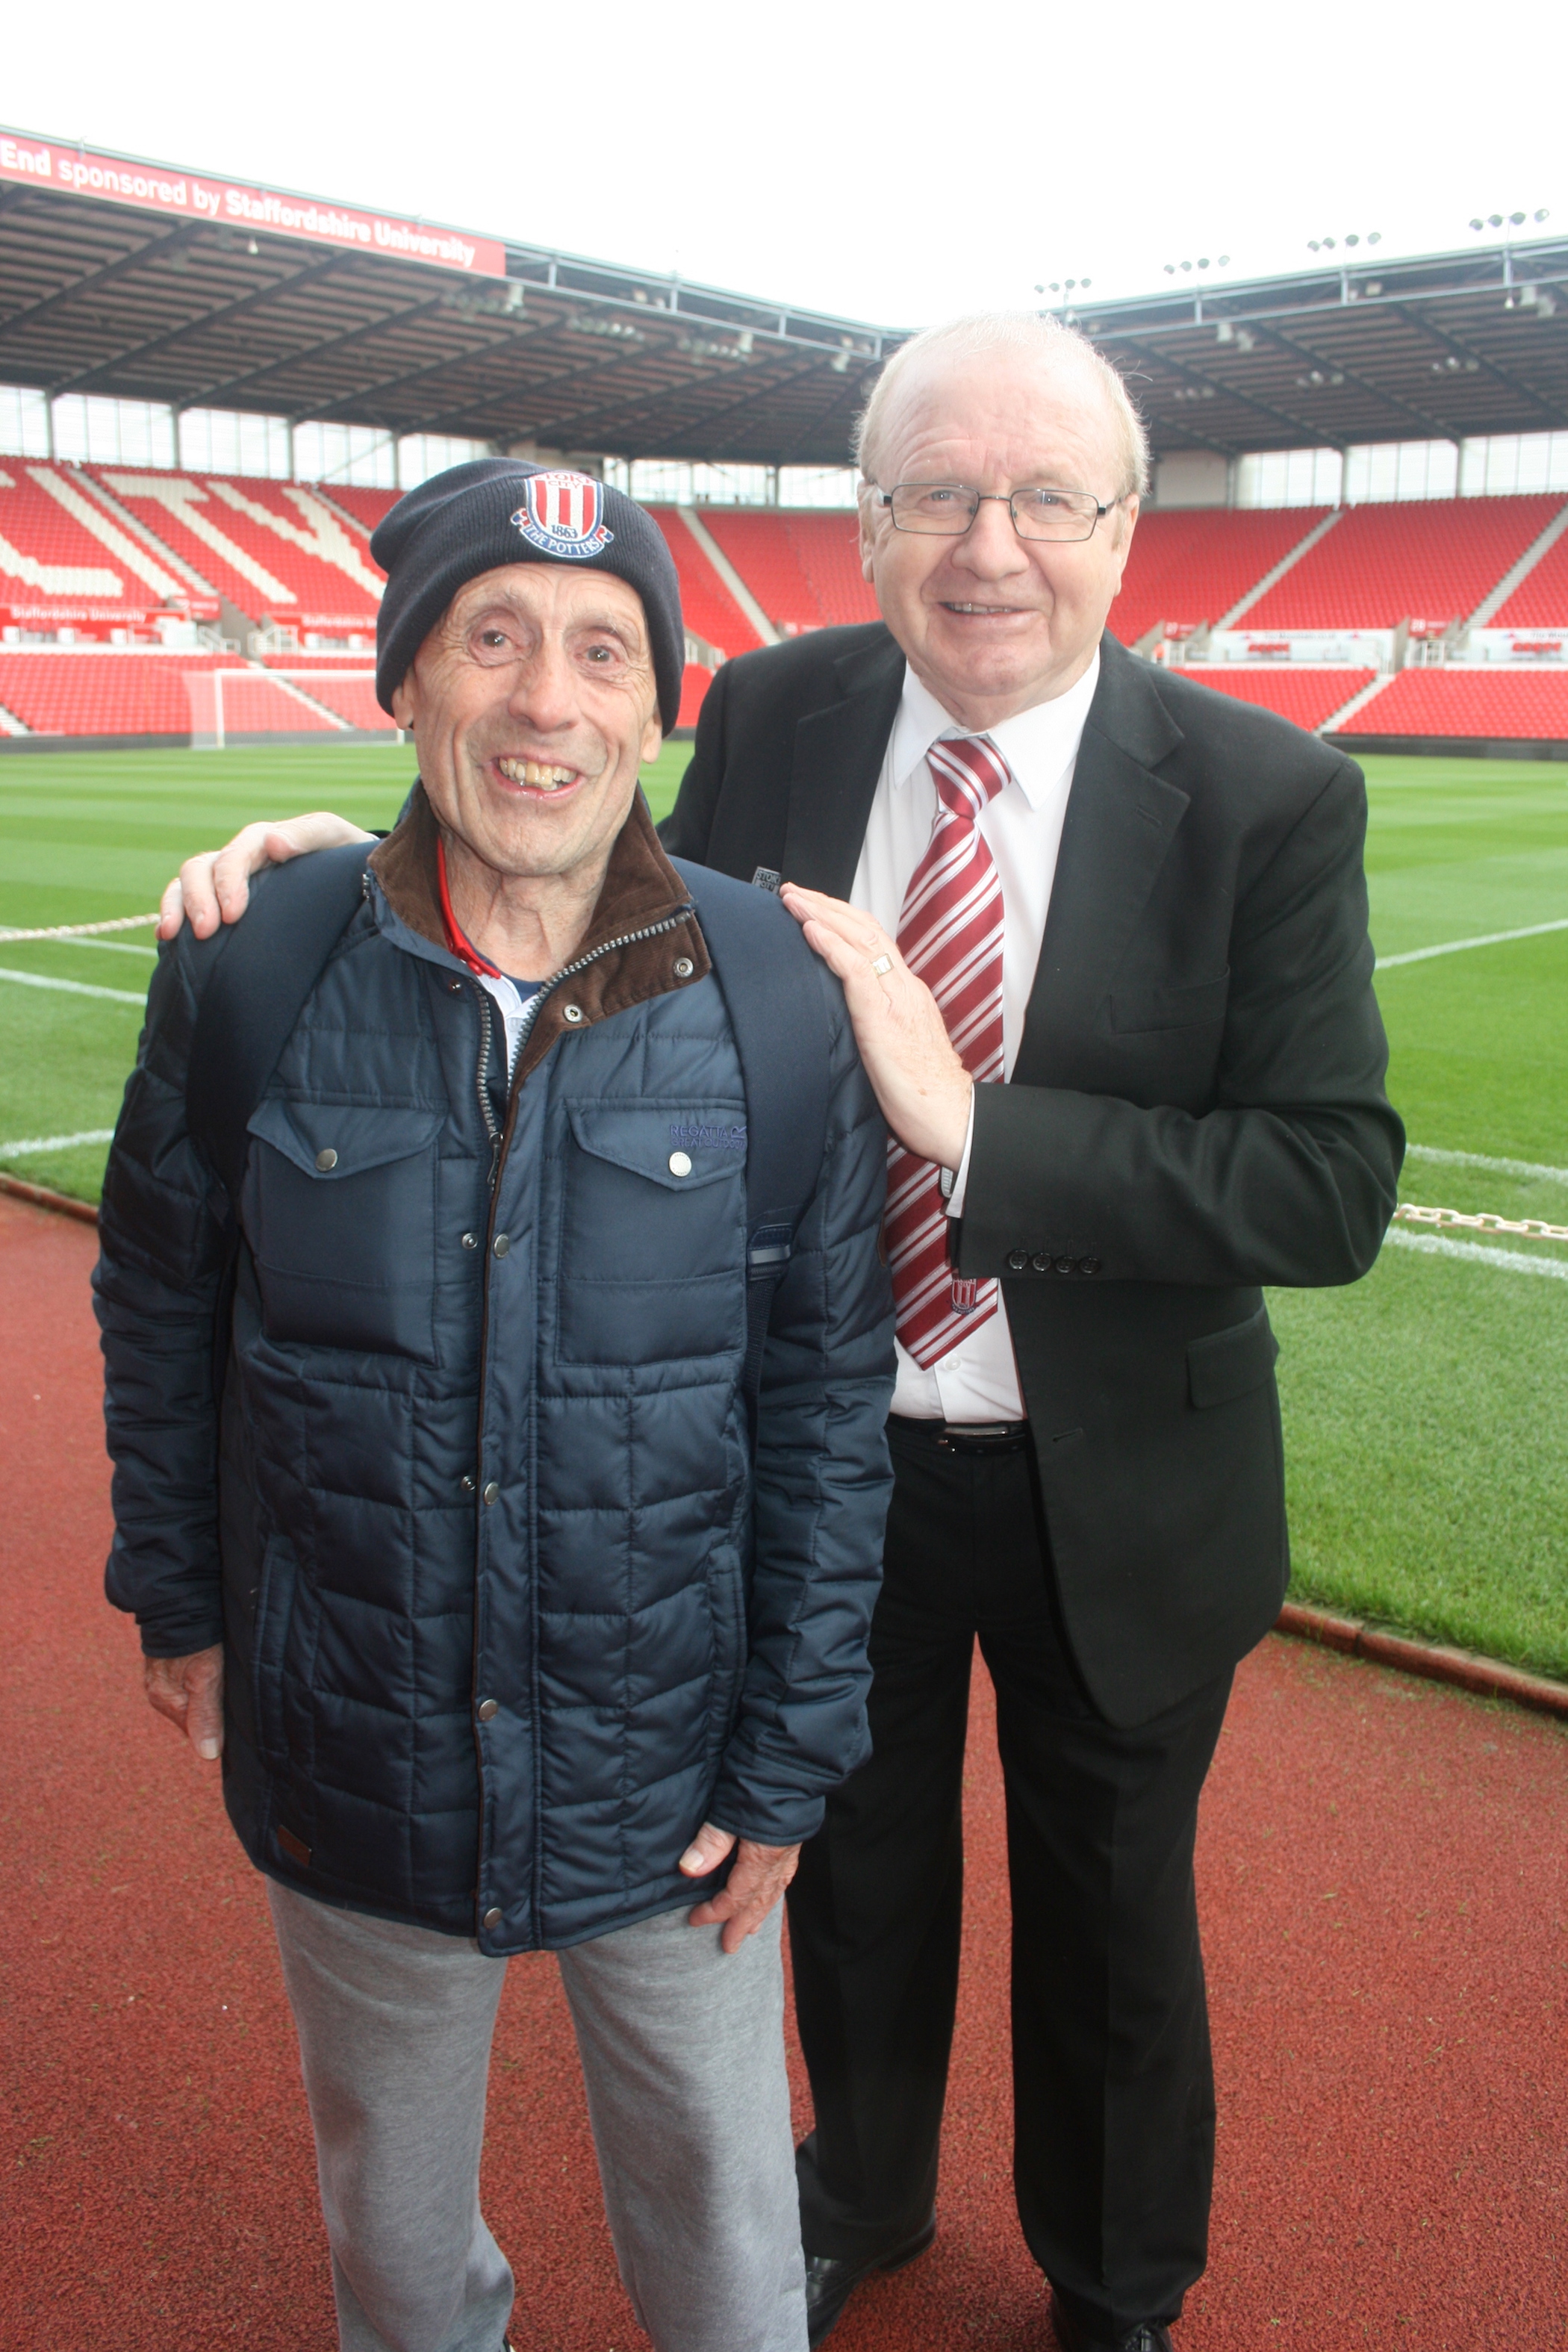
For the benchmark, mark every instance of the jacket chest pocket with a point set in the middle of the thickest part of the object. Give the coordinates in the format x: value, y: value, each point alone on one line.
x: 653, y: 1224
x: 340, y: 1217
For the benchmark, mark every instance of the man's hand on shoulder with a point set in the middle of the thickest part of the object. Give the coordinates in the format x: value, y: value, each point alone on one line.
x: 922, y: 1086
x: 189, y: 1691
x: 757, y: 1881
x: 215, y: 888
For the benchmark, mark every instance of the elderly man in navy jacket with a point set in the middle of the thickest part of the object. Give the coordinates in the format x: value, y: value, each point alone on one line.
x: 514, y: 1615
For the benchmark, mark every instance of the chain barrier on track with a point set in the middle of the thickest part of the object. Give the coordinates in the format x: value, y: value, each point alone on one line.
x: 80, y: 931
x: 1407, y: 1213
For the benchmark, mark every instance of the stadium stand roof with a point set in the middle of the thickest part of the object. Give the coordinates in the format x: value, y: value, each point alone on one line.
x: 116, y: 277
x: 154, y: 282
x: 1433, y: 349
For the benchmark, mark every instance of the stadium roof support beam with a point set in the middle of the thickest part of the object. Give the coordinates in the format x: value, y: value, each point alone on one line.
x: 92, y: 281
x: 853, y: 393
x: 443, y: 366
x: 530, y: 426
x: 1276, y: 415
x: 1555, y: 413
x: 1436, y: 430
x: 250, y: 377
x: 223, y: 312
x: 692, y: 394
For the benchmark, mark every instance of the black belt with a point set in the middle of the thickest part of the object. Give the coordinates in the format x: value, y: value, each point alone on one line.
x: 964, y: 1436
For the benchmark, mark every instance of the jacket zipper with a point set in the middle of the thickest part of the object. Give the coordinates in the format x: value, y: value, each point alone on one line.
x: 498, y: 1142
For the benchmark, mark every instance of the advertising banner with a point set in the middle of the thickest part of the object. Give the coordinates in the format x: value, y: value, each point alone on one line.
x: 238, y: 204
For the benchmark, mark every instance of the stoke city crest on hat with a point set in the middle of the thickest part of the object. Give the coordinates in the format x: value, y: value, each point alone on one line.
x: 562, y: 514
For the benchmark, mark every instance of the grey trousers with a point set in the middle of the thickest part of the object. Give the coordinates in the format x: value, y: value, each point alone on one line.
x: 682, y: 2052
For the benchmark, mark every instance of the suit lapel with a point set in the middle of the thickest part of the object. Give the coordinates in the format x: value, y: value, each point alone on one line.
x: 1120, y: 821
x: 837, y: 759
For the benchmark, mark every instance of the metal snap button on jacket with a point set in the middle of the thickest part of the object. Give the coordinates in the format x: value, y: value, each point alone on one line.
x: 487, y: 1708
x: 492, y: 1918
x: 680, y: 1164
x: 502, y: 1243
x: 470, y: 1483
x: 327, y: 1159
x: 571, y: 1013
x: 470, y: 1241
x: 492, y: 1491
x: 684, y: 967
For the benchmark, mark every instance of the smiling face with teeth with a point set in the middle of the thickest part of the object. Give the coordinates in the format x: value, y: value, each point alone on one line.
x: 993, y: 623
x: 532, y: 703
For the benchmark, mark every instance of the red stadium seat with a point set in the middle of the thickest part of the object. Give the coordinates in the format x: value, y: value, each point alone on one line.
x: 1305, y: 696
x: 273, y: 549
x: 1189, y: 566
x: 64, y: 563
x: 1493, y: 705
x: 367, y: 507
x: 711, y: 612
x: 1430, y: 558
x: 1540, y: 600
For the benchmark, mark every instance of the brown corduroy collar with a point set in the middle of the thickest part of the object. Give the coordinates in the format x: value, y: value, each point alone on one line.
x: 642, y: 940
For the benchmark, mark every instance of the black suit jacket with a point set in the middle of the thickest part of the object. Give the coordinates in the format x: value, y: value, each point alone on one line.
x: 1197, y: 1108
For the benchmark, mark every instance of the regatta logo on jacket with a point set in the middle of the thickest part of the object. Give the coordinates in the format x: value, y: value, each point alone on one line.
x: 709, y: 1138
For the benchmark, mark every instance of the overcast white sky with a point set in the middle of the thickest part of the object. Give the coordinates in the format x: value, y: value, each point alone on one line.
x: 891, y: 164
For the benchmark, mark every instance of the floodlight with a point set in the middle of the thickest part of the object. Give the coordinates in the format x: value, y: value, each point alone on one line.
x: 1246, y: 342
x: 1518, y: 219
x: 1543, y: 214
x: 1205, y: 262
x: 1495, y: 219
x: 1478, y: 224
x: 1375, y: 237
x: 1225, y: 261
x: 251, y: 245
x: 1352, y: 240
x: 1327, y: 245
x: 1546, y: 307
x: 1086, y: 281
x: 1225, y: 333
x: 1170, y: 268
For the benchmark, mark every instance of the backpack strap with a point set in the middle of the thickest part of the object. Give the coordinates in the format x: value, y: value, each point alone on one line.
x: 264, y: 971
x: 773, y: 990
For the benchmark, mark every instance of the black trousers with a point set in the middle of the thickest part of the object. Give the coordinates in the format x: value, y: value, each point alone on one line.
x: 1113, y: 2085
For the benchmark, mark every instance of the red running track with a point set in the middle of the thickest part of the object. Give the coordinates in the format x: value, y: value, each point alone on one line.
x: 1383, y: 1879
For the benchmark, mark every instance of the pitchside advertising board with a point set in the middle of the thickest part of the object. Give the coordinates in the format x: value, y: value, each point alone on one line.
x: 194, y: 196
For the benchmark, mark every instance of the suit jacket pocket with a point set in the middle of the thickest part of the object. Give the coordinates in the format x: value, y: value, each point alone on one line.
x: 1136, y: 1011
x: 1227, y: 1364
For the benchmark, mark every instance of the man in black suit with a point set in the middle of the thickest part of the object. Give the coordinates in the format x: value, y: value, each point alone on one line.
x: 1141, y: 906
x: 1192, y: 1105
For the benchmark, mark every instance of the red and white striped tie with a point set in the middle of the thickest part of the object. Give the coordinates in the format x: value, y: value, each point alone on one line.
x: 950, y: 933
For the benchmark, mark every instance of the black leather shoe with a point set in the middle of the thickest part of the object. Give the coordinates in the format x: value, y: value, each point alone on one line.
x: 830, y: 2282
x: 1149, y: 2336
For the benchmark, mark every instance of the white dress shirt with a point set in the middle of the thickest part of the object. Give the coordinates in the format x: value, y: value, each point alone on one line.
x: 977, y: 1379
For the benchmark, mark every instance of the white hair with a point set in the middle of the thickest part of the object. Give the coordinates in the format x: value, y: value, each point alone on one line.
x: 1032, y: 331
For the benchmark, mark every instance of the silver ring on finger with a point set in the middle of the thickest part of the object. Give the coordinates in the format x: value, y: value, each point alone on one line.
x: 881, y: 964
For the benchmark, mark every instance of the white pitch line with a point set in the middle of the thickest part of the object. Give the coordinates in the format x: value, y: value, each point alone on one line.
x: 1510, y: 1261
x: 1487, y: 940
x: 55, y: 1142
x: 1526, y: 1168
x: 73, y: 987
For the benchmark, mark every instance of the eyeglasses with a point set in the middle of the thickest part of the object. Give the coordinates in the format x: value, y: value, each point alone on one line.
x: 947, y: 509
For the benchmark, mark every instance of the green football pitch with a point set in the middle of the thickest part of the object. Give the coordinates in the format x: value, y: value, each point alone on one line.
x: 1425, y: 1408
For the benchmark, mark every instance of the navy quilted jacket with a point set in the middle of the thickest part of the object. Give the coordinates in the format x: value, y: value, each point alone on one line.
x: 508, y: 1610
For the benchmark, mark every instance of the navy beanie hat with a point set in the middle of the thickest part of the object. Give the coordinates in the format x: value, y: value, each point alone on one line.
x: 497, y: 510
